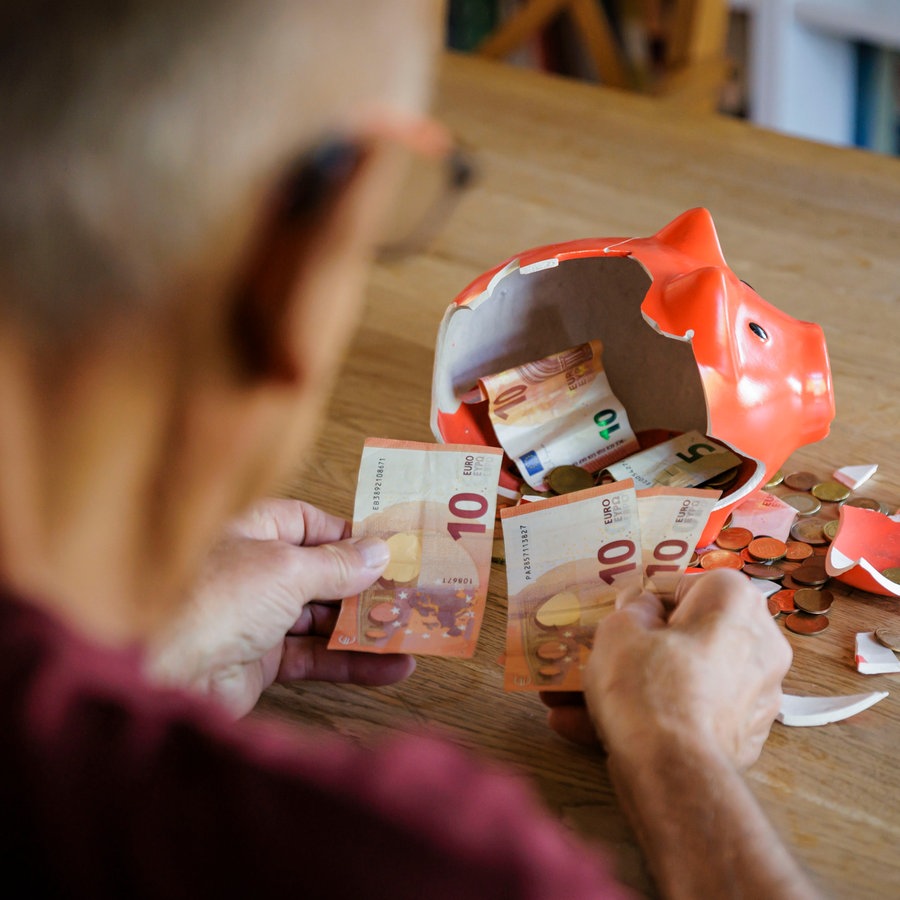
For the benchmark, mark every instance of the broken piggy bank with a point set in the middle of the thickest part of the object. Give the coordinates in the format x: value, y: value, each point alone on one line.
x: 686, y: 346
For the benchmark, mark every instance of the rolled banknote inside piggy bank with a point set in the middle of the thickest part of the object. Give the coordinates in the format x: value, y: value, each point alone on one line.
x: 630, y: 343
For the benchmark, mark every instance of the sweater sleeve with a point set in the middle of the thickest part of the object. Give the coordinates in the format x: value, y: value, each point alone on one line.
x: 122, y: 789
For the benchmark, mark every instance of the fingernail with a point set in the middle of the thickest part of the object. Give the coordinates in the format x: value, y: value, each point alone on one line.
x: 374, y: 552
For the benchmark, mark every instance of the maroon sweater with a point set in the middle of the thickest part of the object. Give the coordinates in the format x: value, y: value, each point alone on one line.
x: 110, y: 787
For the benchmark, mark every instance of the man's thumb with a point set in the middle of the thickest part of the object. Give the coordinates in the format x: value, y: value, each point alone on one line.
x: 341, y: 569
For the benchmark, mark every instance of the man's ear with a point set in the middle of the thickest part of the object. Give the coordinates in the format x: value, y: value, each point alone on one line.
x: 288, y: 238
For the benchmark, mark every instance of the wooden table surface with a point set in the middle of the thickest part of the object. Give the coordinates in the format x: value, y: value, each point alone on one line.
x: 816, y: 231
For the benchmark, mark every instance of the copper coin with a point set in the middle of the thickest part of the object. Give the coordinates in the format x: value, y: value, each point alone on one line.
x: 804, y: 623
x: 734, y: 538
x: 810, y: 601
x: 775, y: 480
x: 809, y: 531
x: 552, y: 650
x: 788, y: 565
x: 695, y: 560
x: 747, y: 556
x: 375, y: 634
x: 785, y: 601
x: 797, y: 550
x: 801, y: 481
x: 382, y: 613
x: 890, y: 637
x: 720, y: 559
x: 758, y: 570
x: 767, y: 548
x: 789, y: 583
x: 831, y: 491
x: 805, y: 504
x: 774, y: 608
x: 810, y: 576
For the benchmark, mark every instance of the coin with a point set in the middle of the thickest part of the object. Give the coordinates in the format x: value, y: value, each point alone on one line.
x: 830, y: 529
x: 734, y: 538
x: 767, y: 548
x: 720, y: 559
x: 892, y: 573
x: 804, y: 623
x: 788, y: 565
x: 797, y: 550
x: 552, y: 650
x: 809, y: 531
x: 810, y: 575
x: 785, y: 601
x: 810, y: 601
x: 805, y: 504
x: 568, y: 479
x: 775, y: 480
x: 865, y: 503
x: 831, y: 491
x: 774, y: 608
x: 747, y: 556
x: 759, y: 570
x: 723, y: 480
x: 890, y: 637
x: 801, y: 481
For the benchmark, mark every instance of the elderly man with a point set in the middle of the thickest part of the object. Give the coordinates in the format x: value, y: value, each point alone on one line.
x: 191, y: 193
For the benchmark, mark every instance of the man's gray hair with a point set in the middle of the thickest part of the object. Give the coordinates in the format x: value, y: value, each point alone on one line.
x: 136, y: 136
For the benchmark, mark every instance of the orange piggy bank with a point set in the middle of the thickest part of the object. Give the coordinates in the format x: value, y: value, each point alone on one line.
x: 686, y: 346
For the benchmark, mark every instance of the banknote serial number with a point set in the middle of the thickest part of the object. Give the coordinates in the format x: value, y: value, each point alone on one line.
x: 379, y: 481
x: 457, y: 581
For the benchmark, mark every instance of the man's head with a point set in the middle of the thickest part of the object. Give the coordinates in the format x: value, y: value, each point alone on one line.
x: 173, y: 296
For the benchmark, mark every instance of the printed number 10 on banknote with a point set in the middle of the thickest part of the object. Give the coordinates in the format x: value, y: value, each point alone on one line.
x: 434, y: 505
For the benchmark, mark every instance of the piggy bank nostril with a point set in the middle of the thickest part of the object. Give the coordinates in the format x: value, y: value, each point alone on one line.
x: 759, y: 331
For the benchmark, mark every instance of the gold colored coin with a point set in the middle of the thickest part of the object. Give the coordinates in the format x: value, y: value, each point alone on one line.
x: 775, y: 480
x: 801, y: 481
x: 830, y: 529
x: 568, y: 479
x: 811, y: 601
x: 560, y: 610
x: 831, y: 491
x: 809, y: 531
x: 723, y: 480
x: 734, y: 538
x: 890, y: 637
x: 721, y: 559
x: 805, y: 504
x: 767, y: 548
x: 804, y: 623
x: 892, y: 573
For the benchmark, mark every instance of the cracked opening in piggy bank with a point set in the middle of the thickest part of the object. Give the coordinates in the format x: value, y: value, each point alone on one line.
x: 686, y: 346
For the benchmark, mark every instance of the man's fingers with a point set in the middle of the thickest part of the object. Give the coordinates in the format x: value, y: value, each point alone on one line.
x: 307, y: 659
x: 341, y: 569
x: 643, y: 607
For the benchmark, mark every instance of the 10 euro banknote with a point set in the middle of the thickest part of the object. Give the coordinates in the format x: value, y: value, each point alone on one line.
x: 434, y: 504
x: 567, y: 559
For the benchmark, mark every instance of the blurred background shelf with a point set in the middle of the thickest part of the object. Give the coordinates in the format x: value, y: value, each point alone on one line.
x: 826, y: 70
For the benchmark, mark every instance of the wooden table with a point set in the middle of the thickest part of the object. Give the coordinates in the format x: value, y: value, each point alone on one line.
x: 816, y: 231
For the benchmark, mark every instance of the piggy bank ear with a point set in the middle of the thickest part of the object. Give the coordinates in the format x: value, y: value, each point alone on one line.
x: 811, y: 358
x: 697, y: 307
x: 694, y: 234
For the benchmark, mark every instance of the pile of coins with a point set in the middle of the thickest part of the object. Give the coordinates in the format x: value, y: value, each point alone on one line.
x: 798, y: 564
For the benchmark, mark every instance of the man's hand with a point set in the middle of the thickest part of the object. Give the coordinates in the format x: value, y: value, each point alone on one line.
x: 711, y: 673
x: 259, y: 612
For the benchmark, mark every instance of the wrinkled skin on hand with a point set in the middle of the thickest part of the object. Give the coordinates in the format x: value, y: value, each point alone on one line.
x: 710, y: 673
x: 264, y: 607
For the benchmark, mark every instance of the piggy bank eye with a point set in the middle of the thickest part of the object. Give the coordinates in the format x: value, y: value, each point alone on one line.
x: 759, y: 331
